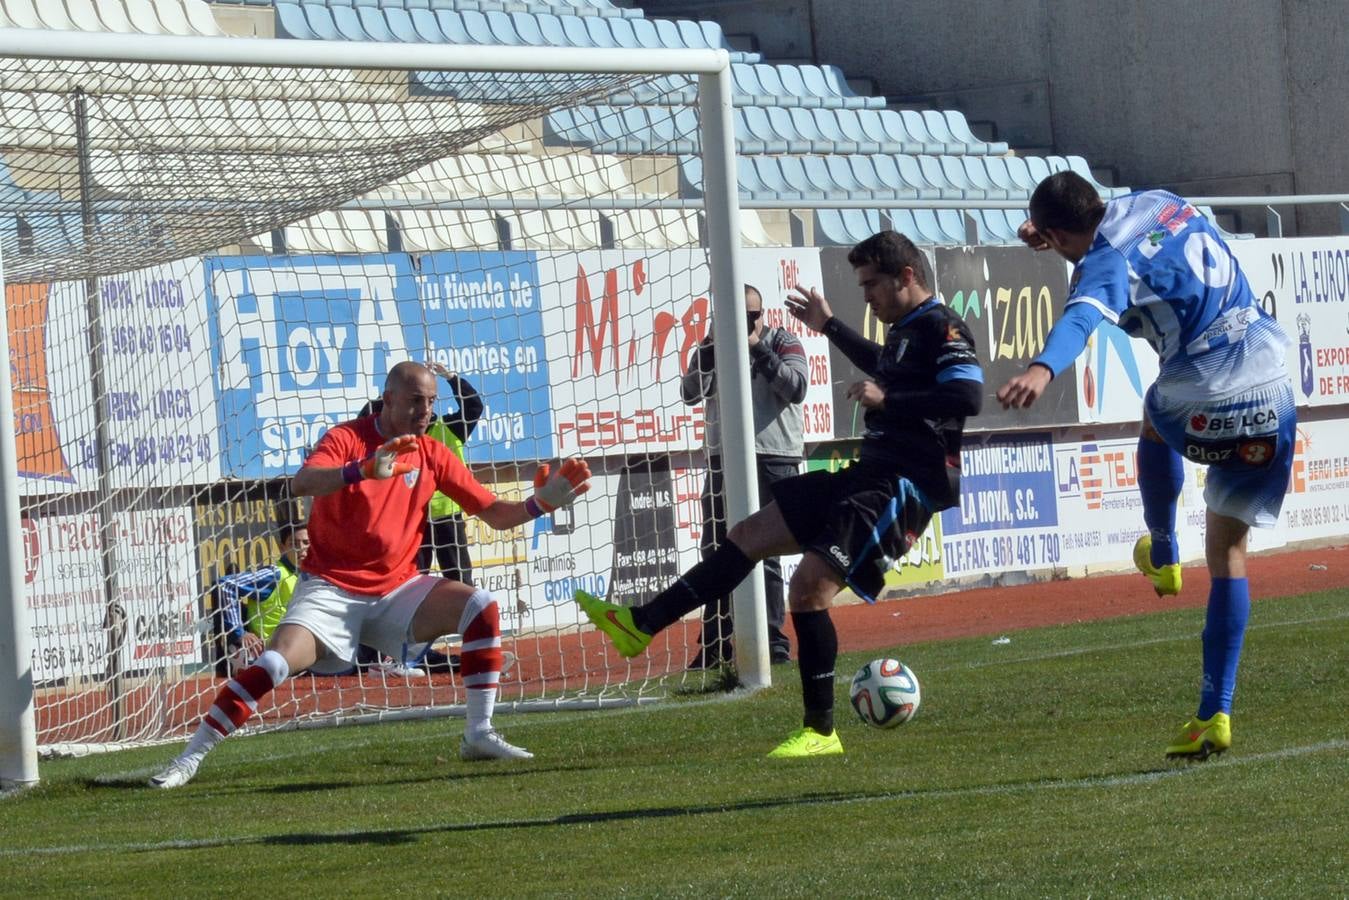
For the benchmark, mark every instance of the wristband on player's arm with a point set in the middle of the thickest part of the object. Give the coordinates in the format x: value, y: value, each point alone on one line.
x: 351, y: 472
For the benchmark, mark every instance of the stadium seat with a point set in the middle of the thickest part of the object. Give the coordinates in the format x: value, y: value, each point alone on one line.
x: 339, y: 231
x: 845, y: 227
x: 975, y: 172
x: 959, y: 128
x: 916, y: 128
x: 935, y: 176
x: 554, y: 229
x: 425, y: 231
x: 655, y: 229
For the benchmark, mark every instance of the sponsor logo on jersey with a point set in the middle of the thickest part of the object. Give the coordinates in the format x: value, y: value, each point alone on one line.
x: 1152, y: 243
x: 1174, y: 217
x: 1254, y: 452
x: 410, y: 478
x: 1259, y: 421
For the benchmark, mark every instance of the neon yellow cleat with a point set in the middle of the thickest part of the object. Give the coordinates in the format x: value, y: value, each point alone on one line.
x: 616, y: 622
x: 808, y: 742
x: 1201, y: 738
x: 1165, y: 579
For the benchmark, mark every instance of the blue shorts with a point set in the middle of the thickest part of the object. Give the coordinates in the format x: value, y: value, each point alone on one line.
x: 1246, y: 441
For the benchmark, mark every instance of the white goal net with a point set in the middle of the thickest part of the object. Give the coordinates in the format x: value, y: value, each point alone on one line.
x: 207, y: 266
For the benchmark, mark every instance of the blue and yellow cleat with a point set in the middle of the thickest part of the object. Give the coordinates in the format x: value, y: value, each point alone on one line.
x: 1201, y: 738
x: 616, y: 622
x: 1165, y: 579
x: 808, y: 742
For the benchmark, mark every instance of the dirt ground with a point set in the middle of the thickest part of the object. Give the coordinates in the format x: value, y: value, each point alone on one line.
x: 995, y: 610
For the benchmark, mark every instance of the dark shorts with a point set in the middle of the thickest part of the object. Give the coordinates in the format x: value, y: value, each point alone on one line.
x: 860, y: 519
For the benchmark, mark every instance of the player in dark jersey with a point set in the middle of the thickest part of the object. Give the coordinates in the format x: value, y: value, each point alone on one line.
x: 852, y: 524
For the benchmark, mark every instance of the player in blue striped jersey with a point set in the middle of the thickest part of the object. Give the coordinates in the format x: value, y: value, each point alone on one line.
x: 1151, y: 263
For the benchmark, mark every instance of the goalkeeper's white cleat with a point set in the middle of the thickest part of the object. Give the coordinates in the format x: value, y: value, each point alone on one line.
x: 490, y: 745
x: 179, y: 772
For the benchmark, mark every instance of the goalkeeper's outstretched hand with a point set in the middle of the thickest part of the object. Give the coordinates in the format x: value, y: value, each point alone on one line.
x: 383, y: 463
x: 560, y: 488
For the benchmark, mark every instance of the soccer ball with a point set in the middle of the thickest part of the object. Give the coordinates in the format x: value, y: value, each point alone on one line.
x: 885, y: 693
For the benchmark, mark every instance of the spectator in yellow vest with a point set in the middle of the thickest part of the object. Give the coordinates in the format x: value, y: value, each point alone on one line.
x: 255, y: 602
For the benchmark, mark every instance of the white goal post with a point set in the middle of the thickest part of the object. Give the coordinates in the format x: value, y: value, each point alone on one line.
x: 93, y: 224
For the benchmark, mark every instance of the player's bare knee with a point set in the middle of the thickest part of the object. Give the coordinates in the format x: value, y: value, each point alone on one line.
x: 745, y: 536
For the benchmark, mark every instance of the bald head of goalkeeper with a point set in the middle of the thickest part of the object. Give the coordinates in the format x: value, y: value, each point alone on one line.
x: 409, y: 400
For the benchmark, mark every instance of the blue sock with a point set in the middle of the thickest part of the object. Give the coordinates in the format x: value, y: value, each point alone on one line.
x: 1161, y: 475
x: 1229, y: 606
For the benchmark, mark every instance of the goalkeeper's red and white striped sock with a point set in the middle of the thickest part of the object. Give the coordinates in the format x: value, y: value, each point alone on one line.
x: 480, y: 659
x: 238, y: 700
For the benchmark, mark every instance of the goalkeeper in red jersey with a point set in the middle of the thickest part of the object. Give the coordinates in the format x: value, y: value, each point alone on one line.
x: 371, y: 479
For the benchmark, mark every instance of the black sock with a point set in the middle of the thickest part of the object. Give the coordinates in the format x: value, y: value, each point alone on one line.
x: 816, y: 650
x: 725, y: 568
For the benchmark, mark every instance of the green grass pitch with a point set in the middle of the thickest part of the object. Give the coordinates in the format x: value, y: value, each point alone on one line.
x: 1033, y: 768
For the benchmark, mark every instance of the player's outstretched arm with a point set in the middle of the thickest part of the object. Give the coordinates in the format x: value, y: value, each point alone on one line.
x: 318, y: 481
x: 1024, y: 389
x: 552, y: 489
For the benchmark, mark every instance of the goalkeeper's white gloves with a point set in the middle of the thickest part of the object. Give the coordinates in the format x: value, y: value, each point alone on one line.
x: 383, y: 463
x: 560, y: 488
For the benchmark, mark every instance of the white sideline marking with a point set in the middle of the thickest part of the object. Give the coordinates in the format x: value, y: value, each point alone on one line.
x: 1096, y: 781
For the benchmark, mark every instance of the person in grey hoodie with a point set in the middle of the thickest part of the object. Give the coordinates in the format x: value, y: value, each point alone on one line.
x: 778, y: 379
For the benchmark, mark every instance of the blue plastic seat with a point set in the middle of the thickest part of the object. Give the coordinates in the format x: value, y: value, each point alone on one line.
x: 758, y: 81
x: 784, y: 123
x: 452, y: 26
x: 1020, y: 173
x: 291, y: 22
x: 840, y: 181
x: 917, y: 129
x: 400, y: 25
x: 567, y: 128
x: 690, y: 170
x: 427, y: 26
x: 574, y: 32
x: 794, y: 86
x: 933, y: 173
x: 904, y: 170
x: 600, y: 34
x: 1038, y: 167
x: 755, y: 131
x: 373, y: 23
x: 898, y: 183
x: 975, y: 172
x: 347, y: 23
x: 959, y: 127
x: 845, y: 227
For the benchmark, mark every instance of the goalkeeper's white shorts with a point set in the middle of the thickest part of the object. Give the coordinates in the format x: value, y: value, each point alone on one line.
x: 342, y: 620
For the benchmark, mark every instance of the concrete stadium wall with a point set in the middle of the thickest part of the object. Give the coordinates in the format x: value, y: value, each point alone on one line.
x: 1214, y: 98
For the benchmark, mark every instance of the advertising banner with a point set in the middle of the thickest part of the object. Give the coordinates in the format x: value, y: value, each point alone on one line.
x: 620, y: 327
x: 159, y: 410
x: 1304, y: 282
x: 153, y: 615
x: 1009, y: 297
x: 302, y: 343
